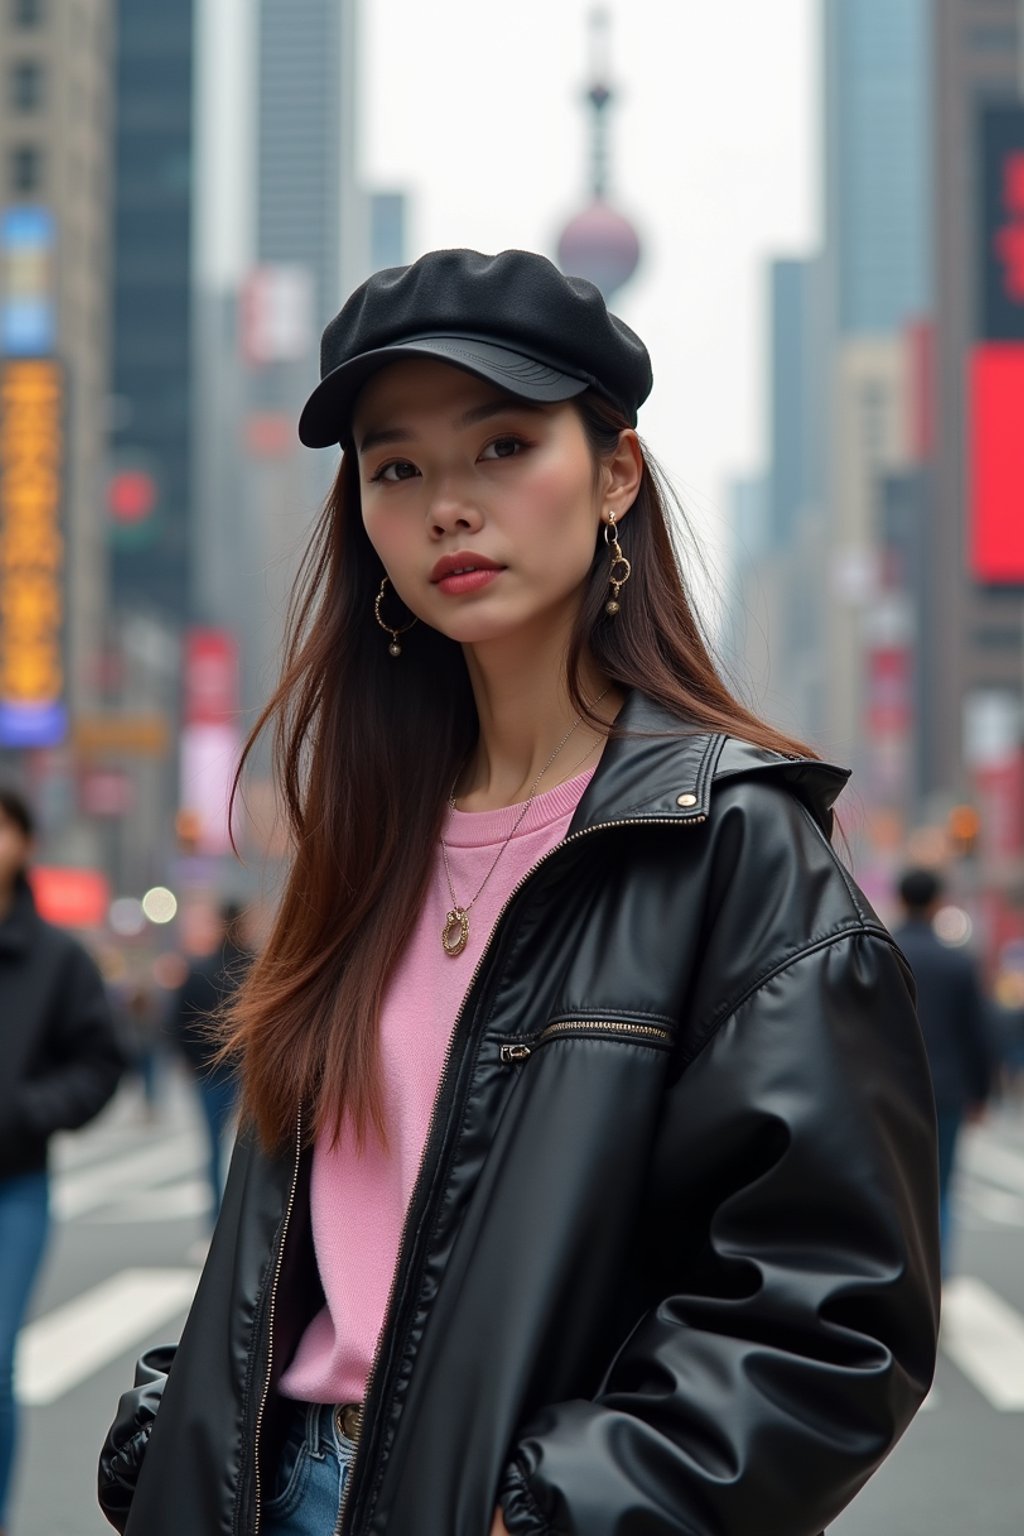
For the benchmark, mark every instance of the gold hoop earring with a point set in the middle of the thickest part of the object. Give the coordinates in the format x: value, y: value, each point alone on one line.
x: 619, y: 563
x: 394, y: 649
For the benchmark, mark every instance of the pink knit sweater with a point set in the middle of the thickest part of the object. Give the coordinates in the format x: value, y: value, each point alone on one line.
x: 359, y: 1200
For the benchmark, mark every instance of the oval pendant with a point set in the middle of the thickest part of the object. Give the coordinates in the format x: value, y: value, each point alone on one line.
x: 455, y: 934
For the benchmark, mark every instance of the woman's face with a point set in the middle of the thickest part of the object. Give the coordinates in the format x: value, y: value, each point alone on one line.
x: 449, y: 466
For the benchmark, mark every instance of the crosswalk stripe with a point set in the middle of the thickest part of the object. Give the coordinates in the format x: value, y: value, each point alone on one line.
x: 994, y: 1204
x: 69, y: 1344
x: 997, y: 1165
x: 984, y: 1337
x: 171, y: 1202
x: 88, y: 1188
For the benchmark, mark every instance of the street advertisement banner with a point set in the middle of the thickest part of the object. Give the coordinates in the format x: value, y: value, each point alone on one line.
x: 211, y: 737
x: 32, y: 707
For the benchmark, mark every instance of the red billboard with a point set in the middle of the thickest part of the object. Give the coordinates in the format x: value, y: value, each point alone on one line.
x: 997, y: 462
x: 996, y: 386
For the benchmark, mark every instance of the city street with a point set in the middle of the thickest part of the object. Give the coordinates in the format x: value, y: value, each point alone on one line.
x: 129, y: 1238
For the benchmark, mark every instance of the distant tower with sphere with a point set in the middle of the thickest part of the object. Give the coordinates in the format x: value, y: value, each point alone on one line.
x: 599, y: 243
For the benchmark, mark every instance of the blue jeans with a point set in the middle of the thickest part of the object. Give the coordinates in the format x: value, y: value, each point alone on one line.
x: 217, y: 1094
x: 304, y: 1494
x: 24, y: 1222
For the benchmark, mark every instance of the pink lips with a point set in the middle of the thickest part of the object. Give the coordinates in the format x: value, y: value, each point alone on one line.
x: 463, y: 572
x: 468, y: 581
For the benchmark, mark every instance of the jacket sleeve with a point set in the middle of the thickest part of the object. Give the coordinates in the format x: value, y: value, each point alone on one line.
x: 796, y: 1328
x: 125, y: 1445
x: 84, y: 1060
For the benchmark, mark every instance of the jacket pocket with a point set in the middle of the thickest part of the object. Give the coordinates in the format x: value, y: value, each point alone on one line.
x: 125, y: 1445
x: 514, y: 1052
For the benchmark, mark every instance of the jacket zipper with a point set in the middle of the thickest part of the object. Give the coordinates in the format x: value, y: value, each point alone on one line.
x: 272, y: 1308
x: 643, y: 821
x: 521, y: 1050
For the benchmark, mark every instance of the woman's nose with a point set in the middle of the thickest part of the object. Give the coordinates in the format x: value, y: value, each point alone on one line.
x: 451, y: 513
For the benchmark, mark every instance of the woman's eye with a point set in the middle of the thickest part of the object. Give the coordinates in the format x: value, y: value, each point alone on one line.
x: 503, y: 448
x: 398, y: 469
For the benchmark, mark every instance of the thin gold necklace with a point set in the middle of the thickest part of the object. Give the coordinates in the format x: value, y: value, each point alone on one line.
x: 455, y: 933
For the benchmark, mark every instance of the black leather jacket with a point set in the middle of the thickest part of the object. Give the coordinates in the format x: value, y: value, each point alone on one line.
x: 671, y: 1263
x: 60, y: 1059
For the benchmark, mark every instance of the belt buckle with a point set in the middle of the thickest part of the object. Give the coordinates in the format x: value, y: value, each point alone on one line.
x: 348, y: 1419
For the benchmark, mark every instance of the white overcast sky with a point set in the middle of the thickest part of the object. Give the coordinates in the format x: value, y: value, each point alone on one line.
x: 476, y: 110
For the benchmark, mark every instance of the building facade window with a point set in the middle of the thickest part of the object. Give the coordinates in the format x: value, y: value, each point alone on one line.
x: 993, y: 37
x: 26, y: 169
x: 26, y: 86
x: 28, y: 13
x: 874, y: 409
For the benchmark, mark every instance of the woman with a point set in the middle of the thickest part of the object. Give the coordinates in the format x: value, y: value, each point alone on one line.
x: 589, y: 1184
x: 61, y: 1064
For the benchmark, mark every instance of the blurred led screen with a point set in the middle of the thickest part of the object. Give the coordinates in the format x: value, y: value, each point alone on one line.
x: 28, y: 316
x: 997, y: 363
x: 32, y: 712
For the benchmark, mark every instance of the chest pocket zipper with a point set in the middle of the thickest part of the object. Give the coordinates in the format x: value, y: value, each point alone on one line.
x: 642, y: 1034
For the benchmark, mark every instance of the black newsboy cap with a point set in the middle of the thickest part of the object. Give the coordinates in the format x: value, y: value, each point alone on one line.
x: 513, y: 319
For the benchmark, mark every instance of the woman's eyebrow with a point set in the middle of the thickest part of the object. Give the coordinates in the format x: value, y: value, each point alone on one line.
x: 496, y: 408
x: 379, y: 436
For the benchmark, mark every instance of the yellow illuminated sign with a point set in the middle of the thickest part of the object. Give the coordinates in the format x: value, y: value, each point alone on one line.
x: 31, y: 544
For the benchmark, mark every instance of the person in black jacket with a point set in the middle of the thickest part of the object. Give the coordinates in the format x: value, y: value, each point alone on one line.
x: 586, y: 1178
x: 61, y: 1063
x: 955, y: 1022
x: 209, y: 986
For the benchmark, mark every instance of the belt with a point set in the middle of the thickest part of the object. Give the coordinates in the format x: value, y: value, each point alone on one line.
x: 348, y: 1419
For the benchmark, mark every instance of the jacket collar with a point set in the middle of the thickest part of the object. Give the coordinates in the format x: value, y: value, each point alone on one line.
x: 664, y: 770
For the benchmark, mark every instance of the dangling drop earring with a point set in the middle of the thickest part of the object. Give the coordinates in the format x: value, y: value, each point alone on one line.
x: 394, y: 649
x: 619, y: 563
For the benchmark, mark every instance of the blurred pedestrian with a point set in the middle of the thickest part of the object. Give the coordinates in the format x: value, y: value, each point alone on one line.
x: 211, y: 983
x: 587, y: 1180
x: 956, y: 1026
x: 137, y: 1011
x: 61, y: 1063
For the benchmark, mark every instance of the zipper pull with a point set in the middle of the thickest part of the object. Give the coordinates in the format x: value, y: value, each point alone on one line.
x: 511, y: 1055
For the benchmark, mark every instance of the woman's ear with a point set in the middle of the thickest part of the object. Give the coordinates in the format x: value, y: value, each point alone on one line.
x: 621, y: 473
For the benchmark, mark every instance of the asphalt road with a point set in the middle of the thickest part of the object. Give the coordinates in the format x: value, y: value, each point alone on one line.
x: 130, y: 1236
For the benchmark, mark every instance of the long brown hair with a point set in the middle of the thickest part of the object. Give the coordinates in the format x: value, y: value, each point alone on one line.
x: 366, y: 750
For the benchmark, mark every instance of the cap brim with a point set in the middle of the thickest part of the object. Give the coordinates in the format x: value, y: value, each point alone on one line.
x: 326, y: 417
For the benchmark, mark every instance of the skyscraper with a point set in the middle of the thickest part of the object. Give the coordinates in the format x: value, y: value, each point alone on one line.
x: 876, y: 281
x: 978, y: 643
x: 389, y: 213
x: 308, y: 208
x: 310, y: 243
x: 877, y: 122
x: 791, y: 330
x: 152, y: 428
x: 55, y: 68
